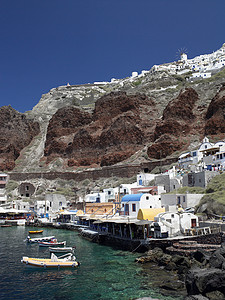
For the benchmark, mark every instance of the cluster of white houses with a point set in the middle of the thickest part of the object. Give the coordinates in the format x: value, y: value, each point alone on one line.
x: 153, y: 208
x: 201, y: 67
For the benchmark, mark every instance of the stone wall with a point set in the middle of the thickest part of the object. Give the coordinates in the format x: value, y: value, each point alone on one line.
x: 124, y: 171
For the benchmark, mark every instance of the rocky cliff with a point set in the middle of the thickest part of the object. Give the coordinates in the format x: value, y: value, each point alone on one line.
x: 16, y: 133
x: 126, y: 121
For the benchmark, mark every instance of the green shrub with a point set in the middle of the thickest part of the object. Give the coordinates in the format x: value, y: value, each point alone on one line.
x: 11, y: 185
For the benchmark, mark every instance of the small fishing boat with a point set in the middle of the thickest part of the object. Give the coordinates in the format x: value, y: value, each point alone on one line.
x: 62, y: 250
x: 35, y: 231
x: 5, y: 225
x: 52, y: 243
x: 41, y: 239
x: 67, y: 260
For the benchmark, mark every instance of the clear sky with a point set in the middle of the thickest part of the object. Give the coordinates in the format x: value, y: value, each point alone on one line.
x: 48, y: 43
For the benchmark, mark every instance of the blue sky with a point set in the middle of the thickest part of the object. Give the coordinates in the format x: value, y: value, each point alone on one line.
x: 47, y: 43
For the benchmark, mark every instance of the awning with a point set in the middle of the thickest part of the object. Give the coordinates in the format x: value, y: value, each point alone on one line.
x: 149, y: 213
x: 143, y: 222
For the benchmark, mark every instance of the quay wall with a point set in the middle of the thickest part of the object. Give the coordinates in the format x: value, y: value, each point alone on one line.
x: 121, y: 171
x: 212, y: 239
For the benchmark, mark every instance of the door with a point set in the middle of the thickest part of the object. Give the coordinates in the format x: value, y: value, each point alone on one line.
x: 126, y: 209
x: 193, y: 223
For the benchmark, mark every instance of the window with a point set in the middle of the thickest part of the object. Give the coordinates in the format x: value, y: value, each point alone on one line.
x: 109, y: 192
x: 194, y: 154
x: 172, y: 216
x: 27, y: 188
x: 133, y: 207
x: 122, y: 205
x: 147, y: 197
x: 150, y: 206
x: 183, y: 198
x: 60, y: 203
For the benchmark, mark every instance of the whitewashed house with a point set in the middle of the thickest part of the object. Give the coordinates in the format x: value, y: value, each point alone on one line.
x: 95, y: 197
x: 23, y: 206
x: 185, y: 200
x: 145, y: 178
x: 172, y: 224
x: 53, y: 203
x: 205, y: 154
x: 130, y: 204
x: 126, y: 188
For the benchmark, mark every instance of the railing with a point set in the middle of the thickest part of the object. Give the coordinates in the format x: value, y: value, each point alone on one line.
x: 202, y: 231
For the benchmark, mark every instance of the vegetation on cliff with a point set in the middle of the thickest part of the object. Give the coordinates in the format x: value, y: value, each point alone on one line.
x: 213, y: 202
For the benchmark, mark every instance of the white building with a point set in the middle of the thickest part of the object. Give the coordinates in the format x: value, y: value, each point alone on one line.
x: 95, y: 197
x: 205, y: 155
x: 145, y: 178
x: 132, y: 203
x: 171, y: 224
x: 185, y: 200
x: 53, y: 203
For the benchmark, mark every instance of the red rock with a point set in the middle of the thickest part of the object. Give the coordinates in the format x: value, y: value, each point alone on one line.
x: 16, y: 132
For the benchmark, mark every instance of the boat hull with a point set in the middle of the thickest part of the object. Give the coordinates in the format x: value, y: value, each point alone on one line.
x: 61, y: 250
x: 48, y: 244
x: 35, y: 231
x: 48, y: 263
x: 42, y: 239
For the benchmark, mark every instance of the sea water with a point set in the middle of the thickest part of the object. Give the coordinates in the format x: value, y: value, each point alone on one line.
x: 104, y: 273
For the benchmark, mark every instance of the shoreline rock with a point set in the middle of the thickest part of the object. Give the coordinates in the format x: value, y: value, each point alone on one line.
x: 201, y: 271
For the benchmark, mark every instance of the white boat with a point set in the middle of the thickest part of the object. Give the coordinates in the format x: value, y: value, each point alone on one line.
x: 62, y: 250
x: 39, y: 239
x: 67, y: 260
x: 52, y: 242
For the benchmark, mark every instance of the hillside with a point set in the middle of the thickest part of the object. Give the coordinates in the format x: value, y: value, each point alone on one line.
x: 131, y: 120
x: 213, y: 202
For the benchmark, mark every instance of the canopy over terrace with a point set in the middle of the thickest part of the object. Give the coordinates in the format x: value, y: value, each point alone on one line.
x: 149, y: 213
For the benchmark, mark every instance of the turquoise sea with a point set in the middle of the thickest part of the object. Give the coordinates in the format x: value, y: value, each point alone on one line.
x: 104, y: 273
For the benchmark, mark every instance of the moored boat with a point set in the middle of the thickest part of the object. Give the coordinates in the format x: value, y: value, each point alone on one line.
x: 41, y: 239
x: 67, y: 260
x: 35, y: 231
x: 53, y: 243
x: 62, y: 250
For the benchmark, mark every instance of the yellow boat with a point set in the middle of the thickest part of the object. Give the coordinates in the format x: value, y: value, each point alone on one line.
x: 35, y: 231
x: 65, y: 261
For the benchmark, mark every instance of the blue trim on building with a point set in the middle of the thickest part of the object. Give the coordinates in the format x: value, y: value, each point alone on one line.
x: 132, y: 197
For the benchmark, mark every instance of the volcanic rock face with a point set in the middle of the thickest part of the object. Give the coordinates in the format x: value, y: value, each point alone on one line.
x: 177, y: 122
x: 116, y: 130
x: 215, y: 116
x: 165, y: 119
x: 16, y: 132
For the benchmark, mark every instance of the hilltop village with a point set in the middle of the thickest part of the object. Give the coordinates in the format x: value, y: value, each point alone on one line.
x: 150, y: 207
x: 199, y: 67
